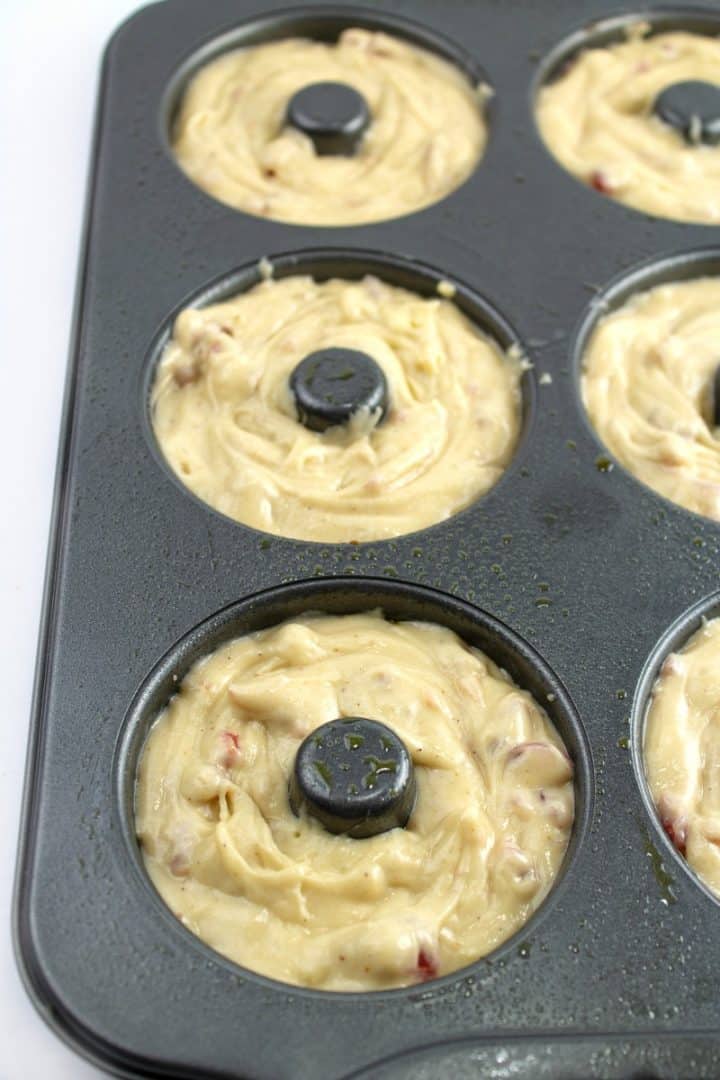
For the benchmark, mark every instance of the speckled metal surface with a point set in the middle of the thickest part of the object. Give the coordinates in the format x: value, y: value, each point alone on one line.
x: 618, y: 974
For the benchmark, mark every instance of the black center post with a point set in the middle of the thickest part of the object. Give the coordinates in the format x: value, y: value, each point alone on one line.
x: 715, y: 398
x: 333, y: 114
x: 331, y: 385
x: 355, y: 776
x: 693, y: 109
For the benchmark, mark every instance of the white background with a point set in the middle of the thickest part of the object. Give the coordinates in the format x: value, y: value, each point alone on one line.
x: 50, y: 54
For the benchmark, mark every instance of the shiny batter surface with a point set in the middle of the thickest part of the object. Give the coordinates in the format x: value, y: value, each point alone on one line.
x: 682, y: 751
x: 225, y: 419
x: 282, y: 896
x: 647, y: 385
x: 426, y: 135
x: 597, y: 119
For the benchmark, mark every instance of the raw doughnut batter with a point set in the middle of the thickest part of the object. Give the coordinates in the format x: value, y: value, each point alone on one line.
x: 279, y: 894
x: 427, y: 130
x: 682, y: 751
x: 648, y: 386
x: 226, y: 421
x: 597, y: 119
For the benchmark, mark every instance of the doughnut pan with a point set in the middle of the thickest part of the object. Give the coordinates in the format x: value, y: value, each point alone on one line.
x: 569, y: 573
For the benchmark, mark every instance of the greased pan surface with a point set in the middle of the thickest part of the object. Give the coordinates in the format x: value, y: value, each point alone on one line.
x: 617, y: 974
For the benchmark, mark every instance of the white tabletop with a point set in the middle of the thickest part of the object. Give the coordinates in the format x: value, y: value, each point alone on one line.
x: 49, y: 61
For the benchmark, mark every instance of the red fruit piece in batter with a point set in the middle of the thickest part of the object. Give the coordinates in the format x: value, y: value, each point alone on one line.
x: 601, y: 183
x: 230, y: 754
x: 179, y: 865
x: 426, y: 965
x: 677, y: 831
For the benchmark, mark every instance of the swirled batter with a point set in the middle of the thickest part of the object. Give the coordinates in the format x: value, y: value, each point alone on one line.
x: 426, y: 135
x: 226, y: 422
x: 647, y: 384
x: 279, y: 894
x: 682, y: 751
x: 597, y: 119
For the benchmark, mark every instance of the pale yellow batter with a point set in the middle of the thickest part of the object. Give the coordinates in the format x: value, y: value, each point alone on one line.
x: 426, y: 135
x: 682, y: 751
x: 597, y: 119
x: 226, y: 422
x: 647, y: 385
x: 282, y: 896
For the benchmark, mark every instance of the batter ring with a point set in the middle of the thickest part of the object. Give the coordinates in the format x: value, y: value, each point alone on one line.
x: 598, y: 119
x: 427, y: 130
x: 682, y: 751
x: 649, y: 384
x: 227, y: 423
x: 280, y: 894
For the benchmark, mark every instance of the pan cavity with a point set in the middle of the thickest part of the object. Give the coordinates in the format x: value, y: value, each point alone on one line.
x: 341, y: 397
x: 676, y: 741
x: 320, y: 767
x: 649, y: 373
x: 326, y: 118
x: 631, y: 107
